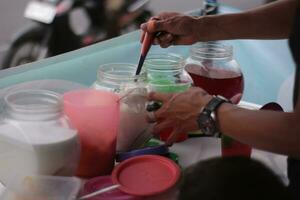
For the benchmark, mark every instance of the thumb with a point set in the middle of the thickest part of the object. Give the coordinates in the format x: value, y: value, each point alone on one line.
x: 153, y: 26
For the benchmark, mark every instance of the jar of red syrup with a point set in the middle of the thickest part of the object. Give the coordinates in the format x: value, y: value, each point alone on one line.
x: 212, y: 67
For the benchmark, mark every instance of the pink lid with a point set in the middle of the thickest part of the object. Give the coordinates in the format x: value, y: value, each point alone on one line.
x: 146, y: 175
x: 104, y: 181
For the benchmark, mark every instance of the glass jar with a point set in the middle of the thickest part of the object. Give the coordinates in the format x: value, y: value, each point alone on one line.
x: 36, y: 137
x: 213, y: 68
x: 113, y: 76
x: 166, y: 74
x: 120, y: 78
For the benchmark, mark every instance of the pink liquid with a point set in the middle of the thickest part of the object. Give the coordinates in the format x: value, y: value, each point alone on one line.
x: 95, y: 114
x: 217, y: 81
x: 227, y: 84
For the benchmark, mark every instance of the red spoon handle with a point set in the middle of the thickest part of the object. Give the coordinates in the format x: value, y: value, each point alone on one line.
x: 149, y: 37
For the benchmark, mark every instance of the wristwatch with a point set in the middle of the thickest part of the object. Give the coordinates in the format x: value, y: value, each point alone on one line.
x: 207, y: 118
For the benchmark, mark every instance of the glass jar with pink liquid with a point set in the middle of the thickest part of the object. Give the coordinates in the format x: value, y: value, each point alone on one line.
x: 212, y: 67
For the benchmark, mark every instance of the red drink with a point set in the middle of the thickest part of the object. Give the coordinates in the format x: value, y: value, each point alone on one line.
x: 226, y: 83
x: 232, y: 147
x: 217, y: 81
x: 165, y: 134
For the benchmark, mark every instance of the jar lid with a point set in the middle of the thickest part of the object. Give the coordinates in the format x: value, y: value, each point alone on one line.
x: 162, y: 150
x: 146, y: 175
x: 104, y: 181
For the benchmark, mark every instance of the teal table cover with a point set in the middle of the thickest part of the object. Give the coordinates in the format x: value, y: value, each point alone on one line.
x: 266, y: 64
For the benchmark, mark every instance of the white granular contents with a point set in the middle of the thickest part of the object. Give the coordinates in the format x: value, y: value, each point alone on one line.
x: 28, y: 148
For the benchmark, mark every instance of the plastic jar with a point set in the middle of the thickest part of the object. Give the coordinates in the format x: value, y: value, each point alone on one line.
x: 213, y: 68
x: 35, y: 137
x: 120, y: 78
x: 166, y: 74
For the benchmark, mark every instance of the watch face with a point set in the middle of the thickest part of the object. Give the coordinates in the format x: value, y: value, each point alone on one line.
x: 206, y: 121
x: 206, y: 124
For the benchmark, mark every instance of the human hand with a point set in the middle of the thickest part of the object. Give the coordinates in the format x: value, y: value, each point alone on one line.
x: 179, y: 111
x: 176, y: 29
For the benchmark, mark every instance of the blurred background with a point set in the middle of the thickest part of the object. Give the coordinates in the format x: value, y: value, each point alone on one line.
x: 12, y: 14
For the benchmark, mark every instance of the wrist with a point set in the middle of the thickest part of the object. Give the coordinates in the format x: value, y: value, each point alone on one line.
x: 204, y: 28
x: 207, y: 119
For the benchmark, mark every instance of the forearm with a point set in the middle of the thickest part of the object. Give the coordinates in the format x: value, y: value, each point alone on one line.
x: 269, y: 130
x: 271, y: 21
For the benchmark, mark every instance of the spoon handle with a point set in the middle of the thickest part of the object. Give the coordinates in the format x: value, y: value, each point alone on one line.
x: 102, y: 190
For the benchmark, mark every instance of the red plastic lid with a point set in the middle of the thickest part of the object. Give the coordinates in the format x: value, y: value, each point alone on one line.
x: 96, y: 183
x: 146, y: 175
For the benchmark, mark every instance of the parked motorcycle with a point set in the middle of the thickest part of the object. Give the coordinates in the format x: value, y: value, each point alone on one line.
x: 52, y: 34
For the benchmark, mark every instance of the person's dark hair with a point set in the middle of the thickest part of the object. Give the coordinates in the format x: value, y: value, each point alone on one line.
x: 231, y: 178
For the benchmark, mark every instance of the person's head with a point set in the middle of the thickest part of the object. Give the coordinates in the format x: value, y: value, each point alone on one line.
x: 232, y: 178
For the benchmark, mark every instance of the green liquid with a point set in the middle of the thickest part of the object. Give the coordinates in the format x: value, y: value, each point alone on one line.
x: 167, y: 86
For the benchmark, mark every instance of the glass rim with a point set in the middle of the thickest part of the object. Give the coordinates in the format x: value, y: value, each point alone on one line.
x: 176, y: 61
x: 219, y: 50
x: 108, y: 73
x: 54, y: 102
x: 170, y: 84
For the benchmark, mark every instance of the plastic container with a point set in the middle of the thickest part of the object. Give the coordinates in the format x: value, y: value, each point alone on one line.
x: 35, y: 137
x: 46, y: 188
x: 166, y: 74
x: 120, y: 78
x: 146, y: 175
x: 96, y: 116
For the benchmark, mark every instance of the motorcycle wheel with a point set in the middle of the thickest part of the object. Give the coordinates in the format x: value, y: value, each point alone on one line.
x: 28, y: 47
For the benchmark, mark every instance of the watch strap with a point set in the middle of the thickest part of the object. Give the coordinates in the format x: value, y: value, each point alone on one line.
x: 207, y: 119
x: 214, y: 103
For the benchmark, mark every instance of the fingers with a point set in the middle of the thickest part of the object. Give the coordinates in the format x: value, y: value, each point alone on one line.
x: 156, y: 96
x: 142, y: 37
x: 150, y: 117
x: 166, y: 40
x: 153, y: 26
x: 148, y: 26
x: 174, y: 136
x: 159, y: 127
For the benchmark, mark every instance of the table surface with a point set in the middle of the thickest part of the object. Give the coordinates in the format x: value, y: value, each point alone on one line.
x: 267, y: 67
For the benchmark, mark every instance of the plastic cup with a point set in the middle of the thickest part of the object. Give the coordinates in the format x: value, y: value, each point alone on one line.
x: 95, y: 114
x: 231, y: 147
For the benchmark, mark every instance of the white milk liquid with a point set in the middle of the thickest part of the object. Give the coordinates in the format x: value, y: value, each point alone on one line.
x: 29, y: 148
